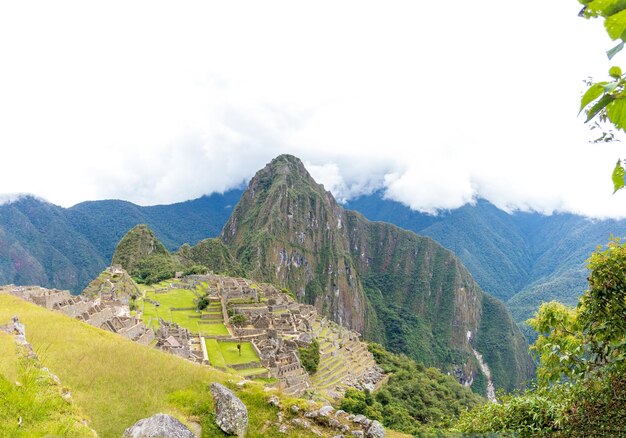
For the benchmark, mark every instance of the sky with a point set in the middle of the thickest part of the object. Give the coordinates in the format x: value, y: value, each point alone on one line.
x: 434, y: 104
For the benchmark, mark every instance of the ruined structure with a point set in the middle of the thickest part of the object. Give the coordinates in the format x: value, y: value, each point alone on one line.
x: 113, y: 317
x: 274, y: 324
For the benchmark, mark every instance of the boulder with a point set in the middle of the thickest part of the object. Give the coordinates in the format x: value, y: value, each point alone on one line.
x: 326, y: 410
x: 231, y: 414
x: 157, y: 426
x: 376, y: 430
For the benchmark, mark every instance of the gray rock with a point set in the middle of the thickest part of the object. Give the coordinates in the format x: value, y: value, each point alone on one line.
x: 326, y: 410
x: 274, y: 401
x: 294, y: 409
x: 357, y: 433
x: 360, y: 419
x: 231, y: 414
x: 311, y: 414
x: 283, y: 429
x: 335, y: 424
x: 376, y: 430
x: 339, y: 412
x: 301, y: 423
x: 158, y: 426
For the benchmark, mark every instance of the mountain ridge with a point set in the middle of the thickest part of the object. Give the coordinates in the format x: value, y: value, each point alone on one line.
x: 288, y: 230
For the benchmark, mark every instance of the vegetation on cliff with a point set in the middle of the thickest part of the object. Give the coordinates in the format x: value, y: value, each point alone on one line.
x: 582, y: 353
x: 212, y: 254
x: 415, y: 399
x: 310, y: 356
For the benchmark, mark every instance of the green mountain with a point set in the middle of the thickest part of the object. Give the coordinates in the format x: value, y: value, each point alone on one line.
x: 211, y: 253
x: 522, y: 258
x: 55, y: 247
x: 137, y: 246
x: 397, y: 288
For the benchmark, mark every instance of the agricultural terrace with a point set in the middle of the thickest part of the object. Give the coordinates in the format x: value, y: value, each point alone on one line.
x: 164, y: 300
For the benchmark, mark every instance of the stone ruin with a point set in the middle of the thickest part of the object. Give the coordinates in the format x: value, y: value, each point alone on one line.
x: 114, y: 318
x: 176, y: 340
x: 276, y: 326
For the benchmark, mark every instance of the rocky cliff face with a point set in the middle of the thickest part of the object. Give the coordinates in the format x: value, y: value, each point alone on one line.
x: 395, y: 287
x: 288, y: 230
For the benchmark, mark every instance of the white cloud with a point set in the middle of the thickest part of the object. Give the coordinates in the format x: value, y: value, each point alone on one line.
x: 159, y: 102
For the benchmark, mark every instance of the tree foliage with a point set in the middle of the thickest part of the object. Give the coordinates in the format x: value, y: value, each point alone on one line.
x: 415, y: 399
x: 582, y: 354
x: 310, y: 356
x: 605, y: 101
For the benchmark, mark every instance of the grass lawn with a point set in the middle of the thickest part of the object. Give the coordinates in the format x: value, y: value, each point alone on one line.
x: 8, y: 361
x: 251, y: 371
x: 231, y: 353
x: 214, y: 353
x: 177, y: 298
x: 213, y: 329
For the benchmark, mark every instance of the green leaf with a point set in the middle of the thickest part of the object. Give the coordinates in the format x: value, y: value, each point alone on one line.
x: 615, y: 50
x: 599, y: 106
x: 615, y: 72
x: 616, y: 111
x: 606, y: 7
x: 615, y: 25
x: 618, y: 176
x: 590, y: 95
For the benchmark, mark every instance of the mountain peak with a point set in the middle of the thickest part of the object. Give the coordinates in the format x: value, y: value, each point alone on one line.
x: 286, y: 166
x: 138, y: 244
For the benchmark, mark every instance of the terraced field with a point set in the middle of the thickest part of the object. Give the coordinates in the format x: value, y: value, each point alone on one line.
x: 179, y: 306
x: 340, y: 359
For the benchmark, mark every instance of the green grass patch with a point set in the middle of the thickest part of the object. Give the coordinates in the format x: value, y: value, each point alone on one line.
x: 8, y: 363
x: 213, y: 329
x: 231, y: 355
x: 251, y: 371
x: 175, y: 298
x: 30, y: 396
x: 215, y: 353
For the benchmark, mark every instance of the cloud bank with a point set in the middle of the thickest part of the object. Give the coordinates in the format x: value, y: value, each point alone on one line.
x: 157, y: 103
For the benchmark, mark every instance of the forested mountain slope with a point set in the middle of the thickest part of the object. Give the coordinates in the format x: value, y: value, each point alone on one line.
x: 521, y: 258
x: 398, y: 288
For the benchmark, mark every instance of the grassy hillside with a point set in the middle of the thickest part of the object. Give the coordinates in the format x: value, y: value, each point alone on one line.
x: 31, y: 401
x: 117, y: 382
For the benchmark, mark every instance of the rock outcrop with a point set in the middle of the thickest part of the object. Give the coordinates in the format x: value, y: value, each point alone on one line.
x: 231, y: 414
x: 158, y: 426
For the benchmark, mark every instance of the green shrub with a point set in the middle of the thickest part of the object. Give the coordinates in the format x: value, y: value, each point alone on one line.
x: 310, y: 356
x: 203, y: 303
x: 238, y: 319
